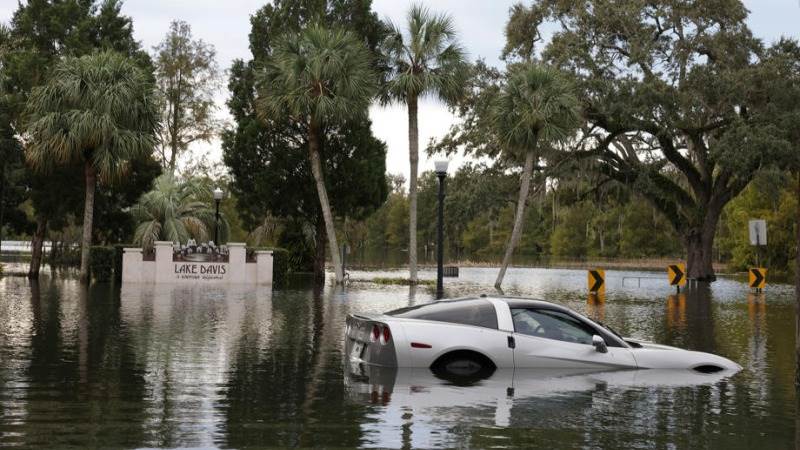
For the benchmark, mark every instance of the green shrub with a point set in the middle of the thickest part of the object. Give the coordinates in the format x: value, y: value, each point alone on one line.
x: 280, y: 263
x: 101, y: 262
x: 119, y: 250
x: 63, y: 254
x: 402, y: 281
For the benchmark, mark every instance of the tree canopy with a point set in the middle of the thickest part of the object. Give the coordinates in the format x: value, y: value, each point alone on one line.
x: 187, y: 77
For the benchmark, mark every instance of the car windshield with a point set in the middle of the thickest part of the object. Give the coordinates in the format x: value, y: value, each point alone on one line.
x: 613, y: 331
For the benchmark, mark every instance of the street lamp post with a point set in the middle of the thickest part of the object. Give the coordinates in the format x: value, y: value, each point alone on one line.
x: 441, y: 173
x: 217, y: 198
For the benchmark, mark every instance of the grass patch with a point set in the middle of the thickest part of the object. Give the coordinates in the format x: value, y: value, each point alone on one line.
x: 401, y: 281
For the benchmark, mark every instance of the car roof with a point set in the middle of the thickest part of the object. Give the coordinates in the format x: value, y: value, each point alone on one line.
x: 513, y: 302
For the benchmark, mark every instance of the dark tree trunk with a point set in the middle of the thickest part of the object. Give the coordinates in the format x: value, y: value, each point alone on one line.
x: 2, y: 203
x: 36, y: 248
x: 88, y: 216
x: 699, y: 243
x: 319, y: 252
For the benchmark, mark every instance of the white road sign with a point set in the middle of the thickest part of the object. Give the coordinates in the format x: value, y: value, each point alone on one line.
x: 758, y: 232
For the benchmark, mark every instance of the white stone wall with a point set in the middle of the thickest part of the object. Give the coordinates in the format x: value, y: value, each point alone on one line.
x: 236, y: 271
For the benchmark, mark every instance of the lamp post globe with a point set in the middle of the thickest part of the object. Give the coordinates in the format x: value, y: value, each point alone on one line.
x: 441, y: 174
x: 218, y: 194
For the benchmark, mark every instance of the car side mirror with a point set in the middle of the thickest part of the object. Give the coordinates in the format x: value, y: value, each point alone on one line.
x: 599, y: 344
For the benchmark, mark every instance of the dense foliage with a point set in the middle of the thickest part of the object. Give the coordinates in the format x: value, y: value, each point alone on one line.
x: 39, y: 35
x: 268, y: 158
x: 569, y: 221
x: 689, y: 127
x: 101, y: 263
x: 98, y: 111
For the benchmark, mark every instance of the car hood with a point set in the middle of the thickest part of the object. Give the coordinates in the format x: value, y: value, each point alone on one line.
x: 655, y: 356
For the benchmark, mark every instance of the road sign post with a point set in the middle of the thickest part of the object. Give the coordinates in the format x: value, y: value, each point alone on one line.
x: 758, y: 236
x: 676, y: 273
x: 596, y: 279
x: 757, y: 278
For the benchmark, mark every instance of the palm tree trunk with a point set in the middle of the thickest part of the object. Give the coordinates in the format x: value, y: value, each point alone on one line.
x: 413, y: 158
x: 516, y: 233
x: 316, y: 169
x: 319, y: 253
x: 36, y: 248
x: 88, y: 217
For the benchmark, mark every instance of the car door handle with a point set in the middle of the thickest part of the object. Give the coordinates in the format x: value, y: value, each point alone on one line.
x: 511, y: 342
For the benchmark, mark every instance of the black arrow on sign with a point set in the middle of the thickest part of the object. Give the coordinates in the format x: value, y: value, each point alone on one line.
x: 759, y: 278
x: 677, y: 275
x: 598, y: 281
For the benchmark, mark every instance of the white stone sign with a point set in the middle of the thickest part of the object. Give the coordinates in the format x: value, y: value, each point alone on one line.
x: 166, y: 269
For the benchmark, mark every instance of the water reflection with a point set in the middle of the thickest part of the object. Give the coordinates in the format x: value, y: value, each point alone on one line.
x: 176, y: 366
x: 429, y: 406
x: 676, y: 312
x: 596, y: 306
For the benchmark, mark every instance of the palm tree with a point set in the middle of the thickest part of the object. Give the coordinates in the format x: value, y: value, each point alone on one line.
x: 176, y: 211
x: 428, y: 60
x: 97, y: 110
x: 316, y: 77
x: 536, y: 105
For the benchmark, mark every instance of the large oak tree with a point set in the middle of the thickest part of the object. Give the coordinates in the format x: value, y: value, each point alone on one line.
x: 680, y: 100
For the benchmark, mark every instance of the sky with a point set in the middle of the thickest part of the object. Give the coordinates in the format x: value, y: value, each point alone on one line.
x: 226, y: 25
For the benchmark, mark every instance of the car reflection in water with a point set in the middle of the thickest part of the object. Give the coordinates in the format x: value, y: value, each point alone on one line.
x: 535, y: 395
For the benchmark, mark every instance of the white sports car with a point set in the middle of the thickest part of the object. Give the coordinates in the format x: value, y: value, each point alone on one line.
x: 475, y: 336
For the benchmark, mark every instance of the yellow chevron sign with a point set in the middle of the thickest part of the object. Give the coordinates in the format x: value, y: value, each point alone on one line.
x: 758, y: 277
x: 677, y: 274
x: 597, y: 280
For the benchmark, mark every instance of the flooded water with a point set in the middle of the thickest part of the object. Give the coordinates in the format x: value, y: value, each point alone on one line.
x: 193, y: 366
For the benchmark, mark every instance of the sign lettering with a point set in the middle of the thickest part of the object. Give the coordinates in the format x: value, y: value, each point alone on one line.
x: 200, y: 271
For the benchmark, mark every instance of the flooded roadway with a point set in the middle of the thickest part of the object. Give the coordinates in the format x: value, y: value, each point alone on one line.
x: 178, y: 366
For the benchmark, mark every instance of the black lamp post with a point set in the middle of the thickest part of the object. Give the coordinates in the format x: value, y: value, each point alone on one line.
x: 441, y: 173
x: 217, y: 198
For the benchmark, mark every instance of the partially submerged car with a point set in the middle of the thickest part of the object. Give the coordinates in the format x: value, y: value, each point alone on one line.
x: 474, y: 336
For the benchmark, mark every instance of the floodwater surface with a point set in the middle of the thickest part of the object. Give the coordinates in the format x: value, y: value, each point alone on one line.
x: 235, y: 367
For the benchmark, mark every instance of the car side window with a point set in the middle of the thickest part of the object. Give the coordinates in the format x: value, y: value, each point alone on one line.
x: 551, y: 324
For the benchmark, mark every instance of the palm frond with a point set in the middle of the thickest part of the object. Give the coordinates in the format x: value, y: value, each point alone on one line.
x: 98, y: 108
x: 176, y: 211
x: 425, y: 60
x: 536, y: 103
x: 321, y: 72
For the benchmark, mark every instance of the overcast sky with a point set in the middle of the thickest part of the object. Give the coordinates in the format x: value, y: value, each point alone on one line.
x: 225, y: 24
